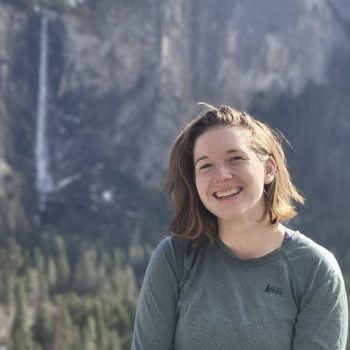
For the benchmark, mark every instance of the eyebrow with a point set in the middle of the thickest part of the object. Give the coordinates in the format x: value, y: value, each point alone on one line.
x: 205, y: 157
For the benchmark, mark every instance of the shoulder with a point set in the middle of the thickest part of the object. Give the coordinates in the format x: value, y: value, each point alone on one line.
x: 172, y: 253
x: 172, y: 247
x: 310, y: 261
x: 306, y: 251
x: 318, y: 286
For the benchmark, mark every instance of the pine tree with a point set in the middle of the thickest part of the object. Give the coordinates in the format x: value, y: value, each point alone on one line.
x: 86, y: 276
x: 39, y: 260
x: 52, y: 274
x: 9, y: 281
x: 14, y: 254
x: 90, y: 334
x: 43, y: 326
x: 101, y: 328
x: 64, y: 337
x: 21, y: 337
x: 115, y: 342
x: 63, y: 270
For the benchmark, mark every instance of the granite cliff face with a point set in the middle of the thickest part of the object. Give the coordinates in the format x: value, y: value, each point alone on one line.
x: 122, y: 77
x: 12, y: 216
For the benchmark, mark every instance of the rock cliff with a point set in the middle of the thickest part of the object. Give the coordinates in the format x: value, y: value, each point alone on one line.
x: 122, y: 78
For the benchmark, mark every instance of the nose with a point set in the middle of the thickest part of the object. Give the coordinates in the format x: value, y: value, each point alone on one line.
x: 222, y: 173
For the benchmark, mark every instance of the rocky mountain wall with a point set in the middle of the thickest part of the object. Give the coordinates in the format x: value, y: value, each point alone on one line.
x: 11, y: 216
x: 123, y: 76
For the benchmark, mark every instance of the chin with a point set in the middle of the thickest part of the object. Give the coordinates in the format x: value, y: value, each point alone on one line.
x: 238, y: 215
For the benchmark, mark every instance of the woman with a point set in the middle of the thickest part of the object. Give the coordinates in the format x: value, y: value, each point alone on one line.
x: 231, y: 276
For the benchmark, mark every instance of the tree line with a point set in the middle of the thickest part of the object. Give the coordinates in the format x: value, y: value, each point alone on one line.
x: 65, y: 295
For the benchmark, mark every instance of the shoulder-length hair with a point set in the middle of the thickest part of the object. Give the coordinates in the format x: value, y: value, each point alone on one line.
x: 192, y: 220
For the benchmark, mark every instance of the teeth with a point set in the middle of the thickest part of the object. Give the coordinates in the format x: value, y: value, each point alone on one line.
x: 227, y: 193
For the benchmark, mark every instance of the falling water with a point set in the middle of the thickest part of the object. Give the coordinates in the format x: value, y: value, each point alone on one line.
x: 44, y: 182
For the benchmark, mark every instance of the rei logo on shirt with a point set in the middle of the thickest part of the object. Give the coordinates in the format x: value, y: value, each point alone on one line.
x: 273, y: 289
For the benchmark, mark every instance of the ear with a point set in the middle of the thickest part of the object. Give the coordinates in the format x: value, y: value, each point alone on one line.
x: 270, y: 169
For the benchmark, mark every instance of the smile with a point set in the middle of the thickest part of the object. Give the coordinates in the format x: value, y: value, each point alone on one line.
x: 228, y: 193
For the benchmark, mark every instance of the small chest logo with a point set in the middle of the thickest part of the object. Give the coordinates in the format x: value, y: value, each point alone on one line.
x: 273, y: 289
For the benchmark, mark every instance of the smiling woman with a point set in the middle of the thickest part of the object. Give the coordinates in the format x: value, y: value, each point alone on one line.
x: 231, y: 275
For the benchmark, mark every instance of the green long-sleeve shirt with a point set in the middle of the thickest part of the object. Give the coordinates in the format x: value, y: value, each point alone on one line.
x: 206, y: 298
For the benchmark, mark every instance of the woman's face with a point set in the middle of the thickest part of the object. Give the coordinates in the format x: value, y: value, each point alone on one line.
x: 229, y: 176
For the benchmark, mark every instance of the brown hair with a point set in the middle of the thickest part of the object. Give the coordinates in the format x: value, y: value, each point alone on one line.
x: 192, y: 220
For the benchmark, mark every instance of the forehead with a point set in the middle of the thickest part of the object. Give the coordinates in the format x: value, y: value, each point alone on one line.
x: 222, y: 138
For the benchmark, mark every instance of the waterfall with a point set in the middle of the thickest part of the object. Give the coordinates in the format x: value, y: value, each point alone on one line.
x: 44, y: 181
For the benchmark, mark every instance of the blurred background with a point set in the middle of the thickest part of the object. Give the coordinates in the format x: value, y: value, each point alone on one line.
x: 92, y: 94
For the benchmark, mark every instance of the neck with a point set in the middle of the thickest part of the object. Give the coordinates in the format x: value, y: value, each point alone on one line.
x: 251, y: 239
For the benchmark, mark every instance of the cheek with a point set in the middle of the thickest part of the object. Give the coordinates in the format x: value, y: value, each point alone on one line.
x: 201, y: 187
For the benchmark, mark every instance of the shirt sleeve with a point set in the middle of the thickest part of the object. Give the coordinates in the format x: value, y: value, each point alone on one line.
x: 322, y: 322
x: 156, y: 310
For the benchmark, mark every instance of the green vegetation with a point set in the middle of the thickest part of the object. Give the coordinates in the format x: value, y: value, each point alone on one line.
x: 84, y: 299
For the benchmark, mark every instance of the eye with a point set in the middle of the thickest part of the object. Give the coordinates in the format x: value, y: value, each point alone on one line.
x: 204, y: 166
x: 235, y: 158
